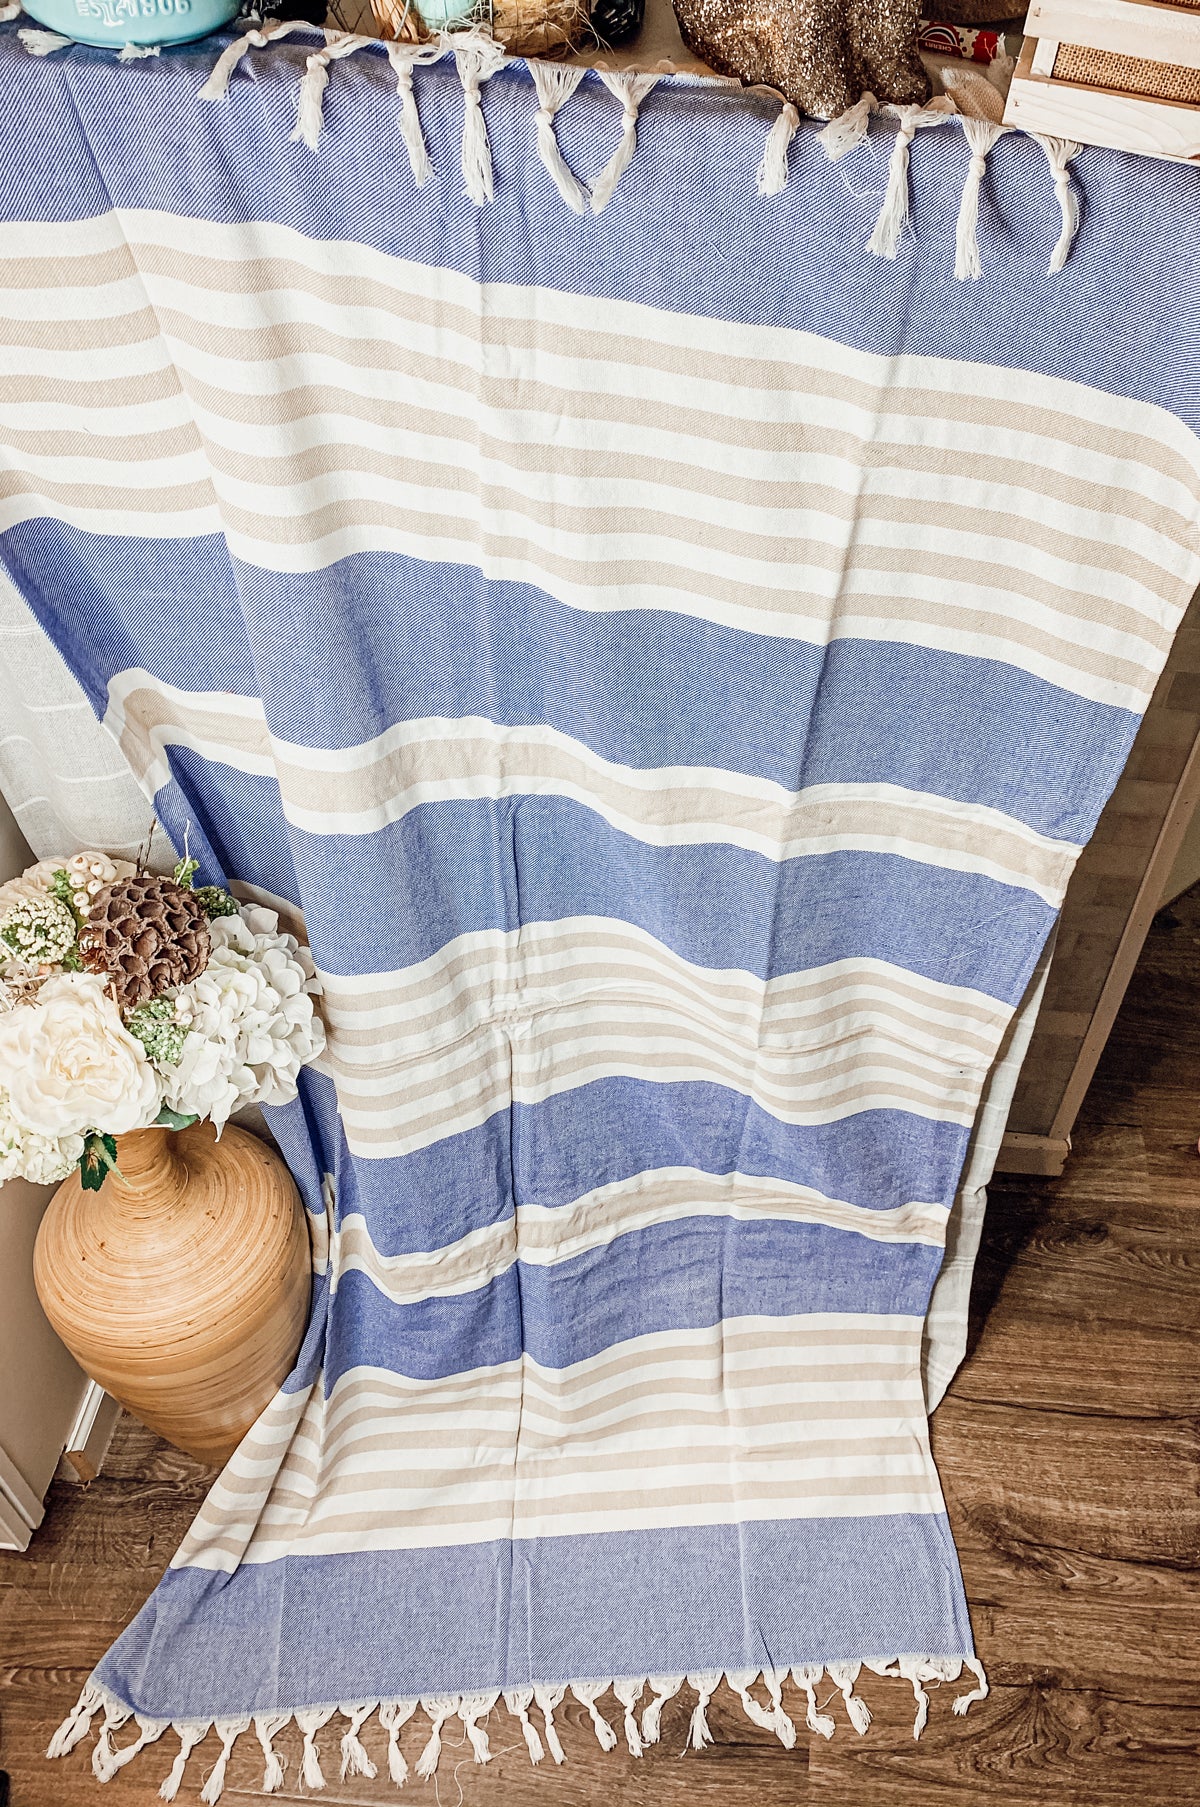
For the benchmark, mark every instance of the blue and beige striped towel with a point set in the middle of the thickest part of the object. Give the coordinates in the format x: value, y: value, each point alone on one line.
x: 671, y: 657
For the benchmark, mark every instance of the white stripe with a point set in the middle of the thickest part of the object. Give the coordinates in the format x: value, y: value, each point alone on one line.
x: 541, y: 1236
x: 500, y: 762
x: 589, y: 1461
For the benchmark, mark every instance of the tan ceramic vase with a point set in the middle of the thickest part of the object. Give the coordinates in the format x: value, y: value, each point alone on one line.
x: 181, y: 1286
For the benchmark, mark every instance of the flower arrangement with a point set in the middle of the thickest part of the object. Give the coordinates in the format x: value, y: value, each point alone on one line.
x: 129, y: 999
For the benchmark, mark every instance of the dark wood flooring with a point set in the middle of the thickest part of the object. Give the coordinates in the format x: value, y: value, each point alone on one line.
x: 1068, y: 1450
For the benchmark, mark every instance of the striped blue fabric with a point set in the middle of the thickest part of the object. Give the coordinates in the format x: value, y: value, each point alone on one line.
x: 666, y: 660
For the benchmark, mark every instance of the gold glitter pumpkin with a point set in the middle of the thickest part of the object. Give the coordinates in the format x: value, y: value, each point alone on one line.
x: 822, y: 54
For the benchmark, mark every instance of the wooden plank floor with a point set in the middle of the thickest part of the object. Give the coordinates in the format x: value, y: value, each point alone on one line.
x: 1068, y: 1450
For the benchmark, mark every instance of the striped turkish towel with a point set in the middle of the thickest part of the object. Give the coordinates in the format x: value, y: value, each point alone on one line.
x: 671, y: 656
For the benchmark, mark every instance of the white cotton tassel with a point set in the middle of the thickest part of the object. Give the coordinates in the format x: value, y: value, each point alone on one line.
x: 980, y: 135
x: 663, y: 1688
x: 844, y: 1676
x: 781, y: 1721
x: 440, y: 1708
x: 133, y: 53
x: 149, y: 1732
x: 628, y: 1693
x: 310, y: 1720
x: 478, y: 59
x: 78, y: 1722
x: 518, y: 1701
x: 587, y: 1694
x: 1060, y: 152
x: 217, y: 85
x: 631, y: 90
x: 893, y: 215
x: 42, y: 43
x: 471, y: 1709
x: 706, y: 1683
x: 555, y: 84
x: 355, y: 1761
x: 394, y: 1715
x: 191, y: 1733
x: 885, y: 240
x: 772, y: 1719
x: 806, y: 1676
x: 961, y: 1702
x: 547, y: 1699
x: 403, y: 58
x: 267, y: 1727
x: 913, y: 1670
x: 310, y: 110
x: 773, y: 170
x: 104, y: 1755
x: 228, y: 1731
x: 845, y: 133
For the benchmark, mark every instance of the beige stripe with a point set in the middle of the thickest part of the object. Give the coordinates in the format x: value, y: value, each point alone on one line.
x: 79, y: 270
x: 797, y: 1010
x: 256, y: 277
x: 590, y: 468
x: 546, y: 1060
x: 530, y: 1518
x: 636, y: 576
x: 787, y: 541
x: 655, y: 805
x: 184, y: 498
x: 311, y: 1454
x: 526, y: 394
x: 119, y: 448
x: 547, y: 1235
x: 571, y: 1039
x: 100, y: 393
x: 90, y: 332
x: 489, y: 968
x: 646, y: 1509
x: 407, y: 1475
x: 288, y: 406
x: 493, y: 767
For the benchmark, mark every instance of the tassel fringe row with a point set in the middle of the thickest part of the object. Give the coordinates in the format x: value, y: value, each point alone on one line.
x: 760, y: 1692
x: 478, y: 57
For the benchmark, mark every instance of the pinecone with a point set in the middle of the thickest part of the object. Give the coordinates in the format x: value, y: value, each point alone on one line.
x: 148, y: 934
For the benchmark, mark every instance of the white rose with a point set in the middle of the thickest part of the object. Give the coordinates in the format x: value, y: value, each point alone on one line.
x: 23, y: 1154
x: 69, y: 1064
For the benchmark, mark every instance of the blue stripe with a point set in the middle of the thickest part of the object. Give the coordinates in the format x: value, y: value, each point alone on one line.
x: 450, y: 869
x: 796, y: 261
x: 686, y: 1275
x: 104, y: 599
x: 610, y: 1130
x: 457, y: 644
x: 311, y: 1630
x: 856, y: 711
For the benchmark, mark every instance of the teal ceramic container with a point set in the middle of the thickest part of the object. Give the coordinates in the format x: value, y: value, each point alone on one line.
x: 112, y: 23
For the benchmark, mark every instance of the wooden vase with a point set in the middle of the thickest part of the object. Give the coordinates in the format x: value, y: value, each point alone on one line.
x: 181, y: 1286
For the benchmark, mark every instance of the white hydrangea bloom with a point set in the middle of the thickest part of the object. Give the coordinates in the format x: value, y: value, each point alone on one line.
x: 26, y: 1155
x: 250, y: 1020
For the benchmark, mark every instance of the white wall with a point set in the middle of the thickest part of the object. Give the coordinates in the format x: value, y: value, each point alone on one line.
x: 41, y: 1389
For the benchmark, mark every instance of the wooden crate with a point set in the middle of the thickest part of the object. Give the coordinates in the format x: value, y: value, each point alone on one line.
x: 1117, y: 886
x: 1126, y: 102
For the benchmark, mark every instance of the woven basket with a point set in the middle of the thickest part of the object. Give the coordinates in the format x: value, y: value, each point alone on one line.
x: 524, y: 27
